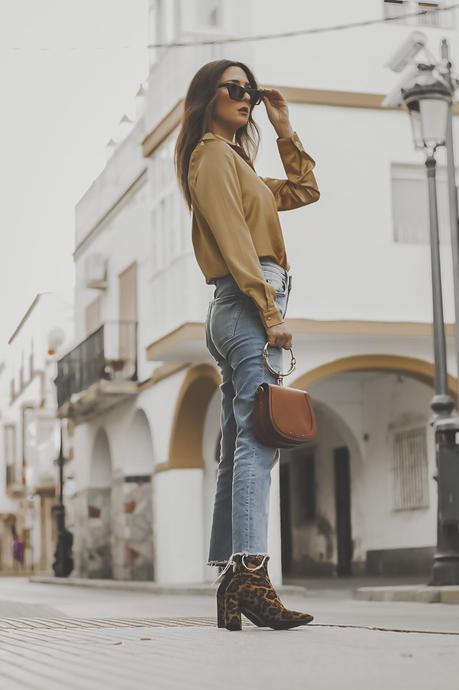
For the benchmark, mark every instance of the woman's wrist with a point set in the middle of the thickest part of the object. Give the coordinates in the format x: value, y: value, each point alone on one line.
x: 284, y: 131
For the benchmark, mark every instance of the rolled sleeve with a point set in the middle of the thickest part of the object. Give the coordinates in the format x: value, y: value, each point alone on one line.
x: 300, y: 188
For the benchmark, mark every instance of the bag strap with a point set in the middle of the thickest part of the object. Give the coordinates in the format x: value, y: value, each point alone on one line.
x: 278, y: 374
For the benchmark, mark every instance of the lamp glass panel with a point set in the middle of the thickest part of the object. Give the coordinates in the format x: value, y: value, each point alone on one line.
x: 416, y: 128
x: 434, y: 113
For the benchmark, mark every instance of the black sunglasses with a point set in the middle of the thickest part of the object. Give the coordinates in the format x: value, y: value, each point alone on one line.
x: 236, y: 92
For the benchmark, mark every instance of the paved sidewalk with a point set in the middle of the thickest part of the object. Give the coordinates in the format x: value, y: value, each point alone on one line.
x: 144, y: 586
x: 54, y: 637
x: 422, y: 593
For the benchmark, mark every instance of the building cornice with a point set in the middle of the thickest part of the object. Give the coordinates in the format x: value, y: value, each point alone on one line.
x: 194, y: 331
x: 293, y: 94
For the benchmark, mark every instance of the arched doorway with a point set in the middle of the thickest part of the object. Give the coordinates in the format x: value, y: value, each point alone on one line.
x: 316, y: 499
x: 133, y: 496
x: 99, y: 515
x: 361, y: 499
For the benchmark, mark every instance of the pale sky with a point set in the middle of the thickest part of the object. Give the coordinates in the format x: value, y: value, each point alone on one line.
x: 58, y: 110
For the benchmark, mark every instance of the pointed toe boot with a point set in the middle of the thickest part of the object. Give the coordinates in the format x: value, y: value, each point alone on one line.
x: 250, y: 592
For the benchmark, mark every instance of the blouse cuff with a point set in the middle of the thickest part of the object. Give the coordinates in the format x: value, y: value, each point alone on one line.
x: 285, y: 144
x: 271, y: 317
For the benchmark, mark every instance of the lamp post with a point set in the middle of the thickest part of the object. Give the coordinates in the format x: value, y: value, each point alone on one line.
x: 429, y: 101
x: 445, y: 68
x: 63, y: 559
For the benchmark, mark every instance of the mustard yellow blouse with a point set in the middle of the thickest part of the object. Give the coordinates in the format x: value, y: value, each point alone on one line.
x: 235, y: 219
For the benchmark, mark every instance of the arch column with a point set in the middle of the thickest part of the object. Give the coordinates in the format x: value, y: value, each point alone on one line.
x: 93, y: 515
x: 178, y: 482
x: 132, y: 499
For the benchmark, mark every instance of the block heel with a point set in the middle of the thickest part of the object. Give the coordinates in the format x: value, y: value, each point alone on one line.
x: 225, y: 577
x: 220, y: 610
x: 232, y: 613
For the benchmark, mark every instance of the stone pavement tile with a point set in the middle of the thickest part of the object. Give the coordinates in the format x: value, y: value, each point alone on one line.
x: 204, y: 658
x: 17, y: 609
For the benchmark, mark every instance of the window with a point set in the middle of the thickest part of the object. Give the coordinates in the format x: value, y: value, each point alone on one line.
x: 169, y: 224
x: 410, y: 477
x: 209, y: 13
x: 31, y: 361
x: 21, y: 373
x: 9, y: 449
x: 92, y: 315
x: 410, y: 204
x: 163, y: 20
x: 443, y: 20
x: 433, y: 18
x: 394, y: 8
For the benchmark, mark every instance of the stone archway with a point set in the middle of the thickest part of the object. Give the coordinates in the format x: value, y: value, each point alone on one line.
x: 410, y: 366
x: 186, y: 444
x: 133, y: 495
x: 99, y: 513
x: 385, y: 402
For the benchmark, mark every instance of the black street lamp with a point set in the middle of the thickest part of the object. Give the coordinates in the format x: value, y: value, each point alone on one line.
x: 63, y: 559
x: 429, y: 101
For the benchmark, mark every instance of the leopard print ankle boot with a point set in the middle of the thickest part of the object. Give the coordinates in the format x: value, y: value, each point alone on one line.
x: 251, y: 592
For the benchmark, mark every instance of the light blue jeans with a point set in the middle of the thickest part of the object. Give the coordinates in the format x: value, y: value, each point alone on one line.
x: 235, y: 337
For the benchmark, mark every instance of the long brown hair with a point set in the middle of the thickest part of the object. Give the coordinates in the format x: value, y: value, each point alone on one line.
x: 197, y: 115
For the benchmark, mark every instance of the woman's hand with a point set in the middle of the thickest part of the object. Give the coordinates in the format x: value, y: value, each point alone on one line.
x: 277, y: 110
x: 280, y: 336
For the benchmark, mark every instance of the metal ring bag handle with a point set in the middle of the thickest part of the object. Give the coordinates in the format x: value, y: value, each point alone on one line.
x: 278, y: 374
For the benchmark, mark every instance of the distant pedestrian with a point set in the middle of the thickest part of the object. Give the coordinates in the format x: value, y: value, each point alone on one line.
x: 18, y: 552
x: 239, y: 246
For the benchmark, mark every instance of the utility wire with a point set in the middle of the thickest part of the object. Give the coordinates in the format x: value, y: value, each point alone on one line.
x: 304, y: 32
x: 264, y: 37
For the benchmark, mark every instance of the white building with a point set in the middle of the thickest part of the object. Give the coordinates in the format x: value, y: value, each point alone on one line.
x: 141, y: 385
x: 29, y: 440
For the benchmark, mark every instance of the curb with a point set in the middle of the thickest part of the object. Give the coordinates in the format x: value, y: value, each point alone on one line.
x: 424, y: 594
x: 143, y: 586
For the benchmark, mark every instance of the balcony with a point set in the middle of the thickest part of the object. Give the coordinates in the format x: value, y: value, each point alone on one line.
x: 99, y: 373
x: 14, y: 483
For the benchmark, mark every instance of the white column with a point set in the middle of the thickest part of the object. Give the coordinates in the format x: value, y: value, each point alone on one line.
x: 274, y: 529
x: 178, y: 533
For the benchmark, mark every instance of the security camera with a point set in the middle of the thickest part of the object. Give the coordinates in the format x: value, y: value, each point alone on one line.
x: 407, y: 51
x: 394, y: 98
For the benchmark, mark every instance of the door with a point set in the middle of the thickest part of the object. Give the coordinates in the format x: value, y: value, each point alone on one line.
x: 343, y: 509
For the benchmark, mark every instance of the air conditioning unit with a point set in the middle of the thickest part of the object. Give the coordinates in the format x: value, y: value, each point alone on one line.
x: 95, y: 272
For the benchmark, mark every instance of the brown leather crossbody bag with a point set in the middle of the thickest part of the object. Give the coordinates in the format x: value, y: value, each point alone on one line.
x: 282, y: 417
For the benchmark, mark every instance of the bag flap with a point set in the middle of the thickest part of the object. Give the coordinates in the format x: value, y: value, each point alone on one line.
x: 291, y: 412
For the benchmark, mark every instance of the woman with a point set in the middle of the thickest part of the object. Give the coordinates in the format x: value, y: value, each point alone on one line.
x: 238, y: 243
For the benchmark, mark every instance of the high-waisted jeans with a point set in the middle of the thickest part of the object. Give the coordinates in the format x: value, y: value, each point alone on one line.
x: 235, y: 337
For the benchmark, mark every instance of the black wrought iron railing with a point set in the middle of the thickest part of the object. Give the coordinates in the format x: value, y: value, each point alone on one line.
x: 109, y: 353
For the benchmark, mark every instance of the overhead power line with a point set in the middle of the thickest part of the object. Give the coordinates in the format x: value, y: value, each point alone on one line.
x: 303, y: 32
x: 255, y: 38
